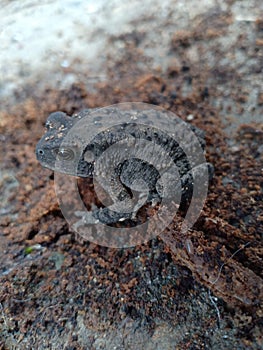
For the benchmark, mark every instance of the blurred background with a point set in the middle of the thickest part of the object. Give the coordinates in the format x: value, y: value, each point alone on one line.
x: 57, y: 43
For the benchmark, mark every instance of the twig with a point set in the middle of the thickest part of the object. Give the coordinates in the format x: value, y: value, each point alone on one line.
x: 212, y: 299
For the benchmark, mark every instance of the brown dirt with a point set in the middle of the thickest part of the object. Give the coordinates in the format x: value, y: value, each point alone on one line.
x: 67, y: 294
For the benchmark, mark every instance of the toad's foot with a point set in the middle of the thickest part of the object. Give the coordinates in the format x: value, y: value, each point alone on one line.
x: 108, y: 215
x: 86, y: 219
x: 99, y: 216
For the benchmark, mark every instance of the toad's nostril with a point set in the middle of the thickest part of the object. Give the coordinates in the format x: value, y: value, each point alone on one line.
x: 40, y: 152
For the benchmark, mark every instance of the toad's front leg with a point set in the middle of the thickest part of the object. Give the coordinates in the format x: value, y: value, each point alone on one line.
x: 125, y: 205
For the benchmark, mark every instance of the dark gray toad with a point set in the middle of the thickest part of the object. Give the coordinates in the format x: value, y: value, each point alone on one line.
x: 138, y: 157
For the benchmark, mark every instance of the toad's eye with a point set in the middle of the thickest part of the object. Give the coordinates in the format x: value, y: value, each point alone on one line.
x: 49, y: 125
x: 65, y: 154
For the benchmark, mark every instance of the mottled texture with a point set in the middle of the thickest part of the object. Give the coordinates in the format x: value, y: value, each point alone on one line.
x: 154, y: 153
